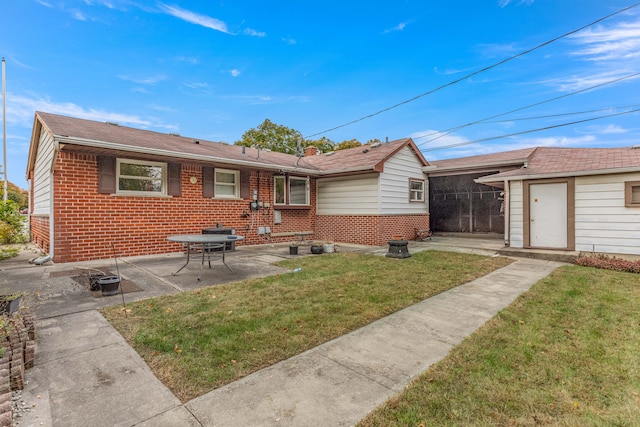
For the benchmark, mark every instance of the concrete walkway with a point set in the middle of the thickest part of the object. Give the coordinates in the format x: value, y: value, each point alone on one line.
x: 86, y: 374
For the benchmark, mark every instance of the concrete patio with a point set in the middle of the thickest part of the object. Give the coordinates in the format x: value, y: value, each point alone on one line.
x: 86, y: 374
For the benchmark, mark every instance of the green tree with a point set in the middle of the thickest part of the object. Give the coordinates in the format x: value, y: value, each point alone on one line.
x: 21, y: 197
x: 11, y: 222
x: 348, y: 143
x: 323, y: 144
x: 269, y: 135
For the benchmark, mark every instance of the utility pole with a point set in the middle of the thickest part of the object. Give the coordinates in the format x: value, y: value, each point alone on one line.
x: 4, y: 133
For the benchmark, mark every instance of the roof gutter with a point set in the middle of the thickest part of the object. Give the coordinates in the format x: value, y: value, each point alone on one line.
x: 492, y: 178
x: 347, y: 171
x: 166, y: 153
x: 514, y: 162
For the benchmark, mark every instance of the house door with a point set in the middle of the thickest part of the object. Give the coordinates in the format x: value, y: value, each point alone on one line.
x: 548, y: 215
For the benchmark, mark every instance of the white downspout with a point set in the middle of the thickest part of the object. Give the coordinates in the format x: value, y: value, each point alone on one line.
x: 507, y: 214
x: 52, y: 241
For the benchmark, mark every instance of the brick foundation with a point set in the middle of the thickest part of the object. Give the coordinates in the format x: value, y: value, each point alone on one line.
x: 40, y: 231
x: 374, y: 230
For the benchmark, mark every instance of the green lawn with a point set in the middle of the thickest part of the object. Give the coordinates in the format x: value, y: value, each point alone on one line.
x: 198, y: 341
x: 567, y: 353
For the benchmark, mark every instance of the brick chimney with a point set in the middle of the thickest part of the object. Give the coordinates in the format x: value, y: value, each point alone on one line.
x: 310, y: 151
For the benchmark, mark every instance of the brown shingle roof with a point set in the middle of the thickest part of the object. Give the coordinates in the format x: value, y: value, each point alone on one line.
x: 172, y: 145
x: 551, y: 162
x: 502, y: 158
x: 87, y: 133
x: 365, y: 156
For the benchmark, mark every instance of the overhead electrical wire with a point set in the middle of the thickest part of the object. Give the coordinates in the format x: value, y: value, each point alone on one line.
x: 453, y: 82
x: 453, y: 129
x: 551, y: 116
x: 492, y: 138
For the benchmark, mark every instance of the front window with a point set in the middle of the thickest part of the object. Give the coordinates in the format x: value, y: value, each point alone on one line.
x: 227, y: 184
x: 416, y: 190
x: 298, y: 191
x: 140, y: 177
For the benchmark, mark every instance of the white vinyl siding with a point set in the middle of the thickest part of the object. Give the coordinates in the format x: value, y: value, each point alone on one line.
x: 354, y: 195
x: 42, y: 175
x: 602, y: 222
x: 516, y: 217
x: 394, y: 184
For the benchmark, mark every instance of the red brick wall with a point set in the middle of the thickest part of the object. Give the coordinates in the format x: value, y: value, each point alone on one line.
x: 40, y: 232
x: 369, y: 229
x: 87, y: 223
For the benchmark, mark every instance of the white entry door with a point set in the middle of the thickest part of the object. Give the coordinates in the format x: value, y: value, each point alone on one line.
x: 548, y: 215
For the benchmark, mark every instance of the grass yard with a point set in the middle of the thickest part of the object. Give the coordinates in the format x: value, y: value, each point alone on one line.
x: 201, y: 340
x: 566, y: 353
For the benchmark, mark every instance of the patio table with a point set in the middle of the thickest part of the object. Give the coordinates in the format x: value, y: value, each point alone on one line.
x: 206, y: 243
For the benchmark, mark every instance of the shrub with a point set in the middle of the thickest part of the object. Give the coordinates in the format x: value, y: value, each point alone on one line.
x: 11, y: 222
x: 609, y: 263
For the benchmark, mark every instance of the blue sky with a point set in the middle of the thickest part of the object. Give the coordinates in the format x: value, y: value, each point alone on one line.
x: 215, y: 69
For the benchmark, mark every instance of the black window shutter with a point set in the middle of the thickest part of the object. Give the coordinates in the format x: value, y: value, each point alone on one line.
x: 207, y: 182
x: 106, y: 174
x: 245, y: 184
x: 174, y: 187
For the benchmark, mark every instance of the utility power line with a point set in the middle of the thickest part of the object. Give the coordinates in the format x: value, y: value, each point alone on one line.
x: 493, y: 138
x: 551, y: 116
x: 453, y: 129
x: 451, y: 83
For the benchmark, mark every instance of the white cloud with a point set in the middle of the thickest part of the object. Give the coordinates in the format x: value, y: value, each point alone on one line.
x: 78, y: 15
x: 192, y: 60
x: 254, y: 33
x: 289, y: 40
x: 555, y: 141
x: 612, y: 130
x: 430, y: 138
x: 235, y: 73
x: 401, y: 26
x: 194, y: 18
x: 107, y: 4
x: 493, y: 50
x: 605, y: 130
x: 141, y: 90
x: 162, y: 108
x: 619, y: 42
x: 150, y: 80
x: 20, y: 111
x: 575, y: 83
x: 196, y: 85
x: 505, y: 3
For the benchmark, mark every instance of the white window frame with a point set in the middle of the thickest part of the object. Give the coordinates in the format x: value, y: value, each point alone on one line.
x: 306, y: 190
x: 284, y: 186
x: 235, y: 184
x: 416, y: 195
x: 163, y: 178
